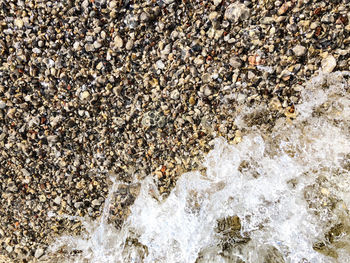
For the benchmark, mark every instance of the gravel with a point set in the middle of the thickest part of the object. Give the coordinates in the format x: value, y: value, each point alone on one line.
x: 92, y: 89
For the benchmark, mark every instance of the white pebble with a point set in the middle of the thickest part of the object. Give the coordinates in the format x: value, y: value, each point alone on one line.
x: 2, y: 104
x: 160, y: 64
x: 328, y: 64
x: 39, y: 252
x: 84, y: 95
x: 19, y: 23
x: 299, y: 50
x: 42, y: 198
x: 118, y: 42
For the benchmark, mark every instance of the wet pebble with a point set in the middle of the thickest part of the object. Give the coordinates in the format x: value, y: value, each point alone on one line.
x: 328, y: 64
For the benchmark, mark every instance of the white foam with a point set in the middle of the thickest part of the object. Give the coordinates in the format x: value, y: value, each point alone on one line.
x: 288, y: 187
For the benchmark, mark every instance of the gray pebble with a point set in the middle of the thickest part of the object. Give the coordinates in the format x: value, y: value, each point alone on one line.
x: 236, y: 12
x: 2, y: 104
x: 235, y: 62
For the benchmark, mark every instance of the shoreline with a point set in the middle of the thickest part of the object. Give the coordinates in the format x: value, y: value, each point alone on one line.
x: 89, y: 88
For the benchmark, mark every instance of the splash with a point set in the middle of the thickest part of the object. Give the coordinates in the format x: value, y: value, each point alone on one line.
x: 277, y: 196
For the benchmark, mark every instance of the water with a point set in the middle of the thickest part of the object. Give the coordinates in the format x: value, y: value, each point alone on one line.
x: 277, y: 196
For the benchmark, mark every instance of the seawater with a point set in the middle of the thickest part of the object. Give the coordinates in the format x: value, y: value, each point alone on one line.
x: 281, y: 195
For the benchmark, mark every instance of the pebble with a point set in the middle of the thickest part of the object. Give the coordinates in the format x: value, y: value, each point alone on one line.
x: 299, y: 50
x: 328, y: 64
x: 57, y: 200
x: 284, y: 8
x: 36, y: 50
x: 98, y: 67
x: 129, y: 45
x: 236, y: 12
x: 9, y: 249
x: 89, y: 47
x: 123, y: 87
x: 38, y: 252
x: 96, y: 202
x: 2, y: 104
x: 84, y: 95
x: 206, y: 78
x: 235, y: 62
x: 207, y: 91
x: 175, y: 94
x: 217, y: 2
x: 42, y: 198
x: 97, y: 44
x: 144, y: 17
x: 118, y: 42
x: 192, y: 100
x: 160, y: 64
x: 213, y: 16
x: 19, y: 23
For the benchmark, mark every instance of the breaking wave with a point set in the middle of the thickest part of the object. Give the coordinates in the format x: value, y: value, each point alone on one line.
x: 273, y: 195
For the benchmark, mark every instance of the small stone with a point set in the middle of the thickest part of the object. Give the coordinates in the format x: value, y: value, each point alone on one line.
x: 235, y: 62
x: 241, y: 97
x: 117, y: 90
x: 251, y: 75
x: 19, y: 23
x: 238, y: 137
x: 99, y: 65
x: 160, y: 64
x: 217, y: 2
x: 25, y: 172
x: 57, y: 200
x: 211, y: 32
x: 144, y: 17
x: 112, y: 4
x: 95, y: 202
x: 103, y: 34
x: 255, y: 60
x: 89, y: 47
x: 38, y: 252
x: 198, y: 61
x: 129, y: 44
x: 206, y: 78
x: 236, y: 12
x: 42, y: 198
x: 118, y: 42
x: 328, y: 64
x: 84, y: 95
x: 275, y: 104
x: 284, y: 8
x: 207, y: 91
x: 213, y: 16
x: 97, y: 44
x: 192, y: 100
x: 175, y: 94
x: 40, y: 43
x: 36, y: 50
x: 299, y: 50
x: 290, y: 112
x: 2, y: 104
x: 76, y: 45
x: 11, y: 112
x: 9, y: 249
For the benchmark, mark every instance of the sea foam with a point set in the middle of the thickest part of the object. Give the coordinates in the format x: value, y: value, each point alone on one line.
x: 280, y: 195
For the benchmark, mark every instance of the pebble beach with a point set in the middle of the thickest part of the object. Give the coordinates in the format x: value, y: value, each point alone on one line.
x: 96, y: 89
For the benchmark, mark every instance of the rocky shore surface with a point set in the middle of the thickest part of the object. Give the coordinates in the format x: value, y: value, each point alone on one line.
x: 131, y: 89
